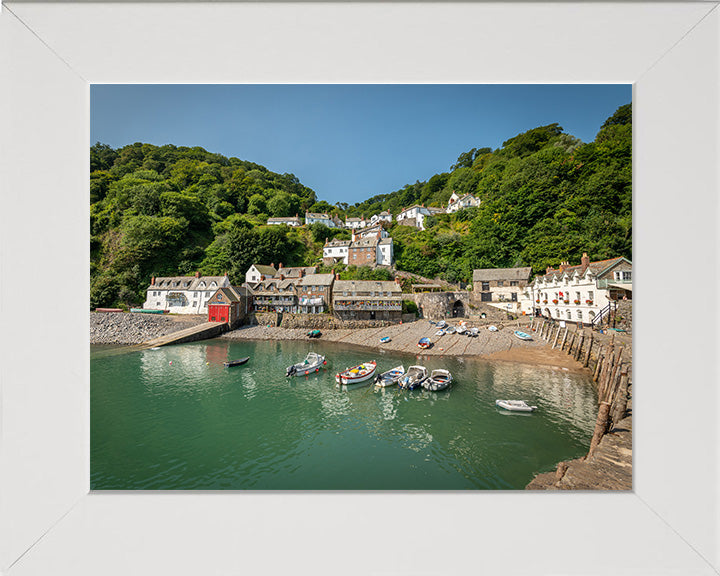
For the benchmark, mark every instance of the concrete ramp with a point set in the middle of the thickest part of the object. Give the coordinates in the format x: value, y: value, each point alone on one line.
x: 199, y: 332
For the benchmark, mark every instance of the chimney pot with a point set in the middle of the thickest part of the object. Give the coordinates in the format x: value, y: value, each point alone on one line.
x: 585, y: 260
x: 197, y: 274
x: 152, y: 282
x: 337, y: 276
x: 272, y: 264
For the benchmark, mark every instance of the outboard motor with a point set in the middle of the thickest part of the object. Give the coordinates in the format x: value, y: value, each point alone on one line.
x: 290, y: 371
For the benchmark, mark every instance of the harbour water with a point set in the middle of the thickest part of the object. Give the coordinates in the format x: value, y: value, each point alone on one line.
x: 176, y: 419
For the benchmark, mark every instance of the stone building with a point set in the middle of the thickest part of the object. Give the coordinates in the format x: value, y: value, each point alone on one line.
x: 367, y: 300
x: 314, y: 293
x: 501, y: 287
x: 274, y: 295
x: 231, y: 304
x: 581, y: 293
x: 183, y: 294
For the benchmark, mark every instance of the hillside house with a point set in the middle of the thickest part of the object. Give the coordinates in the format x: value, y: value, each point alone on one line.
x: 231, y: 304
x: 373, y: 231
x: 367, y: 300
x: 258, y: 272
x: 293, y: 221
x: 336, y: 251
x: 581, y: 293
x: 314, y: 293
x: 461, y: 202
x: 355, y: 223
x: 502, y: 287
x: 415, y: 216
x: 321, y: 218
x: 384, y: 216
x: 183, y: 294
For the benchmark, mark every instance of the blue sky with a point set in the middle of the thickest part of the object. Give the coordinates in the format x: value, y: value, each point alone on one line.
x: 346, y: 142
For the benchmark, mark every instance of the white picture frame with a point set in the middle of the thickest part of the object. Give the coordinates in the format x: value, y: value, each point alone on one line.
x: 51, y: 524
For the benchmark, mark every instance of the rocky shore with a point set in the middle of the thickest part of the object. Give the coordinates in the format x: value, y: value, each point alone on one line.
x: 129, y: 328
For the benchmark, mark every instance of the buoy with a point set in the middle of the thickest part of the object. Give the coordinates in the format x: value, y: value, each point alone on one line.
x: 170, y: 362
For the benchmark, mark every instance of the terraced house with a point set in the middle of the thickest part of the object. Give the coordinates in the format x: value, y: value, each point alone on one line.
x: 183, y: 294
x: 501, y: 287
x: 583, y: 293
x: 367, y: 300
x: 314, y: 293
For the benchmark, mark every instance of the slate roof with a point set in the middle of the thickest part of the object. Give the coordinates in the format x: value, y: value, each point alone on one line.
x: 265, y: 270
x: 334, y: 243
x: 232, y: 293
x: 184, y: 282
x: 351, y: 286
x: 317, y: 280
x: 294, y: 271
x: 596, y: 268
x: 492, y: 274
x: 317, y: 216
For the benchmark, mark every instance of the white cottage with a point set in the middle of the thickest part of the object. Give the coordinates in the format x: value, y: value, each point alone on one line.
x: 322, y: 218
x: 461, y: 202
x: 258, y: 272
x: 183, y: 294
x: 414, y: 216
x: 581, y: 293
x: 384, y: 216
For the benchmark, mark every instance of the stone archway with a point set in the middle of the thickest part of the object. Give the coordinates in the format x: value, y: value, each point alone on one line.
x: 458, y: 309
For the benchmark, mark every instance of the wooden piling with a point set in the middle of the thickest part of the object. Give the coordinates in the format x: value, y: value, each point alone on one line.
x: 589, y: 350
x: 618, y: 412
x: 598, y: 366
x: 556, y: 337
x: 600, y: 428
x: 570, y: 344
x: 578, y: 351
x: 562, y: 346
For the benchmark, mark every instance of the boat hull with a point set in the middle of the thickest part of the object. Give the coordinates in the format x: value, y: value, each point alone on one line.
x: 514, y: 406
x: 347, y: 378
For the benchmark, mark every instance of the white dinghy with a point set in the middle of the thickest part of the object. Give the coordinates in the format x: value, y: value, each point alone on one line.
x: 515, y: 405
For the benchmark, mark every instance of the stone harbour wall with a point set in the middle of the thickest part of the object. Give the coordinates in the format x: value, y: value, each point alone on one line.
x: 314, y: 321
x: 129, y: 328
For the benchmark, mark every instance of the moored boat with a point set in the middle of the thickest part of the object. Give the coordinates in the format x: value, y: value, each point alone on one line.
x: 314, y: 334
x: 238, y: 362
x: 424, y: 343
x: 356, y: 374
x: 515, y: 405
x: 522, y: 335
x: 438, y: 380
x: 450, y: 330
x: 440, y: 333
x: 473, y: 332
x: 461, y: 329
x: 385, y: 339
x: 492, y: 328
x: 441, y: 324
x: 390, y: 377
x: 312, y: 363
x: 413, y: 378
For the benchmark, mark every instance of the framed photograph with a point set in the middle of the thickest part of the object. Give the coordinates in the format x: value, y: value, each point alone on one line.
x: 50, y: 55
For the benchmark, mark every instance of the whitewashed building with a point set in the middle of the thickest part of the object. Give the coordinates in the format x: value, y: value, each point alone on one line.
x: 372, y: 231
x: 414, y: 216
x: 293, y: 221
x: 321, y: 218
x: 336, y: 251
x: 461, y: 202
x: 580, y: 293
x: 384, y: 216
x: 183, y: 294
x: 355, y: 223
x: 258, y: 272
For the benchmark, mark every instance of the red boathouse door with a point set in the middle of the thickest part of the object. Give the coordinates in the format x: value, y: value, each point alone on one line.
x: 218, y: 313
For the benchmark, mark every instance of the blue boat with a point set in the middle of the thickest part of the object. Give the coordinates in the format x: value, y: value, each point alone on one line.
x: 522, y: 335
x: 424, y: 343
x: 385, y: 339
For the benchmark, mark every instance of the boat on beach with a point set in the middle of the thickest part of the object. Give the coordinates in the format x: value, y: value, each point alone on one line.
x: 450, y: 330
x: 314, y: 334
x: 441, y: 324
x: 238, y: 362
x: 413, y: 378
x: 385, y: 339
x: 438, y: 380
x: 515, y: 405
x: 473, y: 332
x: 461, y: 329
x: 312, y: 363
x: 492, y: 328
x: 356, y: 374
x: 440, y: 333
x: 390, y: 377
x: 424, y: 343
x: 522, y: 335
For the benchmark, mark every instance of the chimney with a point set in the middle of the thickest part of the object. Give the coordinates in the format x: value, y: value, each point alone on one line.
x: 563, y: 266
x: 197, y: 274
x: 548, y: 270
x: 585, y: 261
x: 279, y: 265
x: 337, y: 276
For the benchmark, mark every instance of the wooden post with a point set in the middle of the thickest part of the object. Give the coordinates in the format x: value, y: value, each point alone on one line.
x: 580, y: 345
x: 572, y: 341
x: 598, y: 365
x: 621, y: 398
x: 589, y: 350
x: 556, y: 337
x: 562, y: 346
x: 560, y: 472
x: 600, y: 428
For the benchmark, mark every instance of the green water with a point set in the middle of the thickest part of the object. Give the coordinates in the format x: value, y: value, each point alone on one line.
x: 175, y: 418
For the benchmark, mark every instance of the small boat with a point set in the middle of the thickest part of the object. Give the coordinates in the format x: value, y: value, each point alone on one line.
x: 438, y: 380
x: 515, y: 405
x: 238, y: 362
x: 390, y: 377
x: 314, y: 334
x: 424, y: 343
x: 461, y: 329
x: 441, y: 324
x: 440, y: 333
x: 473, y: 332
x: 312, y: 363
x: 492, y: 328
x: 522, y: 335
x: 413, y: 378
x: 356, y: 374
x: 385, y: 339
x: 450, y: 330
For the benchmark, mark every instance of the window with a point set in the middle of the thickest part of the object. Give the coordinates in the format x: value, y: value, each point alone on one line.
x: 194, y: 303
x: 623, y: 275
x: 194, y: 294
x: 579, y: 314
x: 500, y: 283
x: 590, y: 295
x: 485, y: 286
x: 569, y: 315
x: 513, y: 282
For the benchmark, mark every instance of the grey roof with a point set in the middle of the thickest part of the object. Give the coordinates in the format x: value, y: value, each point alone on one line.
x: 266, y: 270
x: 596, y: 268
x: 294, y: 271
x: 434, y: 210
x: 185, y: 282
x: 284, y: 218
x: 232, y: 293
x: 353, y: 219
x: 365, y: 242
x: 317, y: 280
x: 317, y: 216
x: 335, y: 243
x: 365, y: 286
x: 488, y: 274
x: 387, y: 240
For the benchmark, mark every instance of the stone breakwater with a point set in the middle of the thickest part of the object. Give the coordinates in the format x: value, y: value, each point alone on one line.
x: 128, y: 328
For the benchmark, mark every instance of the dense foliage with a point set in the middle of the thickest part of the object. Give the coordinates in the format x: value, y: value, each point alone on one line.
x: 167, y: 210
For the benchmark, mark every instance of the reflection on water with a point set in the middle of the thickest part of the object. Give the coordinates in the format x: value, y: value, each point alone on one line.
x: 176, y: 418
